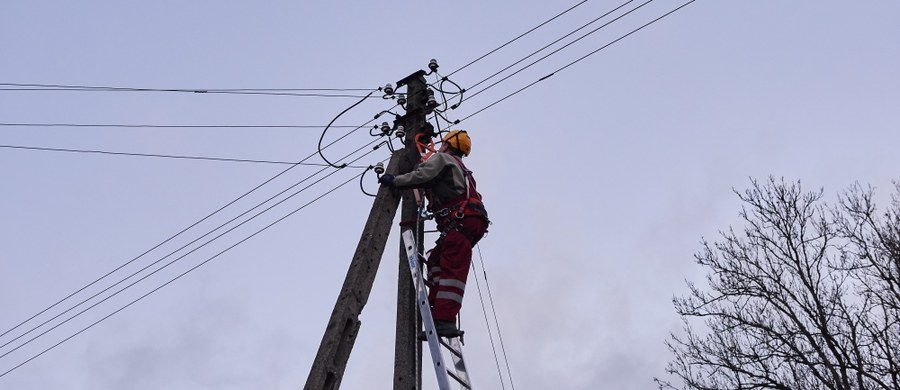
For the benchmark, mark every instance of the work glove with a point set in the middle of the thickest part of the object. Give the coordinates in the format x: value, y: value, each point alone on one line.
x: 387, y: 179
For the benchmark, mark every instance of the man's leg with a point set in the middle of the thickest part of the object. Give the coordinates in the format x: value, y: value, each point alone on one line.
x: 433, y: 272
x: 455, y: 260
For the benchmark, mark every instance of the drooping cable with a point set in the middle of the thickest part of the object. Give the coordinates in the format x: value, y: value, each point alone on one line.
x: 254, y: 189
x: 319, y: 148
x: 172, y: 261
x: 106, y: 152
x: 488, y: 325
x: 176, y: 278
x: 496, y: 320
x: 577, y: 60
x: 518, y: 37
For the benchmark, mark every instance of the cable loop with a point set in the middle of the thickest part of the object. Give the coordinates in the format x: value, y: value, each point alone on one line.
x: 319, y: 148
x: 362, y: 176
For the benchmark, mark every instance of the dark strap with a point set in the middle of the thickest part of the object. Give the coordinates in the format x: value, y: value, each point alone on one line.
x: 455, y: 224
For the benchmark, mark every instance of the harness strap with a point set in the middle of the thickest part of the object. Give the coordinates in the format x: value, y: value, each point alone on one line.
x: 425, y: 150
x: 455, y: 224
x: 467, y: 175
x: 409, y: 222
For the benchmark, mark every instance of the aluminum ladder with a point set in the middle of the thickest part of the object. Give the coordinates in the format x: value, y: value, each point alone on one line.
x: 453, y: 345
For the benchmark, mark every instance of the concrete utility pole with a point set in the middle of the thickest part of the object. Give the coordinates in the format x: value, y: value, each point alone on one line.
x: 343, y: 326
x: 340, y: 334
x: 407, y: 348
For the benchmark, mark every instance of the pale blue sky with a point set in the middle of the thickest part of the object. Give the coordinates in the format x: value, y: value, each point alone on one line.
x: 600, y: 180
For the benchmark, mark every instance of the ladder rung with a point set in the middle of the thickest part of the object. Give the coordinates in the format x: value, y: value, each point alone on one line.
x: 458, y: 379
x: 450, y: 348
x: 461, y: 376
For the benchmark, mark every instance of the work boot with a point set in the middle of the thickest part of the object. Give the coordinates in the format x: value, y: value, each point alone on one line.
x: 446, y: 329
x: 443, y: 329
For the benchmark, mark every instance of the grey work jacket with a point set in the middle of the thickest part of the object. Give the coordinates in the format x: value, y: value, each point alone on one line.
x: 441, y: 174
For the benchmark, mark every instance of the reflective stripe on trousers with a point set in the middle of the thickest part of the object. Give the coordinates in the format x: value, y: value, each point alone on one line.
x: 449, y: 264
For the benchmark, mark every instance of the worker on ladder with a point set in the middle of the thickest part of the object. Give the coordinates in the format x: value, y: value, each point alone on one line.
x: 461, y: 219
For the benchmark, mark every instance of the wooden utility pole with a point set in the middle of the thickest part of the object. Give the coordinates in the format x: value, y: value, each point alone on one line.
x: 340, y: 334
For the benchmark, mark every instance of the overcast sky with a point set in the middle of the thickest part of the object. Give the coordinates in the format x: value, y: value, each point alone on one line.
x: 601, y: 180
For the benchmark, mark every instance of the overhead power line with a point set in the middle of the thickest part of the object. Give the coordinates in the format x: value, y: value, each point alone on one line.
x: 576, y: 61
x: 220, y: 209
x: 151, y: 126
x: 517, y: 38
x: 353, y: 178
x: 301, y: 92
x: 179, y: 276
x: 176, y: 259
x: 560, y: 39
x: 106, y: 152
x: 558, y: 49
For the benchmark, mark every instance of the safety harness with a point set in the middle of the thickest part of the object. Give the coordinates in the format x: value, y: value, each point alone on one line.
x: 448, y: 214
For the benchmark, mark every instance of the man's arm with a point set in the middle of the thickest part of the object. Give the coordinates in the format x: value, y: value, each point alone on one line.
x: 424, y: 174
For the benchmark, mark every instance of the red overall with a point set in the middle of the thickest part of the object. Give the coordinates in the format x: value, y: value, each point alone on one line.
x: 448, y: 265
x: 462, y: 222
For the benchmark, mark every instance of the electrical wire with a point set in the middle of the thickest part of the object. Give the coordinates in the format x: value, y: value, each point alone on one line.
x: 170, y: 254
x: 301, y: 92
x: 177, y: 277
x: 481, y: 110
x: 557, y: 41
x: 62, y: 86
x: 319, y: 148
x: 106, y: 152
x: 487, y: 322
x: 576, y: 61
x: 174, y: 260
x: 487, y: 284
x: 22, y: 124
x: 182, y: 231
x: 461, y: 90
x: 518, y: 37
x: 496, y: 320
x: 558, y: 49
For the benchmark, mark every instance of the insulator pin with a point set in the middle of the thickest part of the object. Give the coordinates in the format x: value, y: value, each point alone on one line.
x: 431, y: 103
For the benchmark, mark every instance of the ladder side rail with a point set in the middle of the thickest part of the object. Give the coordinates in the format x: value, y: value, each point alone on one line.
x: 459, y: 364
x: 419, y: 281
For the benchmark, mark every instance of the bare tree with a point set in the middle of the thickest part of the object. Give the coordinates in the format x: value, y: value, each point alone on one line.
x: 804, y: 296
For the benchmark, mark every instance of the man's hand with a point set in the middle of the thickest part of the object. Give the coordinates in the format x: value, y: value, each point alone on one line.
x: 387, y: 179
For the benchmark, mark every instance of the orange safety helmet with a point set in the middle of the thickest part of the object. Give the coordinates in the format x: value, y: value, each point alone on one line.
x: 459, y: 140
